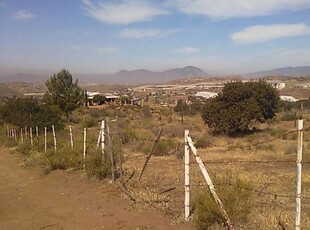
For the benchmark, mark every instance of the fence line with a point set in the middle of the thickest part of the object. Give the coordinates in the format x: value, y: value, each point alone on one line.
x: 12, y: 133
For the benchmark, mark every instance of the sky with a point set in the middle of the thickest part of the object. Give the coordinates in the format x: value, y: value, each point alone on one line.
x: 106, y: 36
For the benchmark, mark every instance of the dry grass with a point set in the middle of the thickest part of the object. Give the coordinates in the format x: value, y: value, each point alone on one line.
x: 165, y: 173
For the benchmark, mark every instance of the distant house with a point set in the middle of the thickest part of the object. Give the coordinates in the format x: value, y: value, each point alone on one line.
x: 288, y: 98
x: 279, y: 85
x: 177, y: 99
x: 205, y: 94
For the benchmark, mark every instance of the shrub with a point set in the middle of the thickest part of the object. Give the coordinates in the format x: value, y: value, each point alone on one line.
x: 163, y: 147
x: 203, y: 142
x: 288, y: 117
x: 64, y: 158
x: 24, y: 149
x: 277, y: 132
x: 236, y: 198
x: 89, y: 122
x: 96, y: 167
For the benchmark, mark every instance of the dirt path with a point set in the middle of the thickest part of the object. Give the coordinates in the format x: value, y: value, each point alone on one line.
x: 62, y: 200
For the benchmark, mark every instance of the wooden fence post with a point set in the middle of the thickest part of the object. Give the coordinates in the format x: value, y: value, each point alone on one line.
x: 54, y: 137
x: 102, y: 139
x: 209, y: 182
x: 186, y: 179
x: 84, y: 147
x: 99, y: 138
x: 37, y: 136
x: 45, y: 139
x: 21, y: 136
x: 30, y: 134
x: 71, y: 137
x: 7, y: 131
x: 298, y: 174
x: 26, y: 133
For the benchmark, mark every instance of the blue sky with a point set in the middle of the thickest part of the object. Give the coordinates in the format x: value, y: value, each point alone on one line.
x: 105, y: 36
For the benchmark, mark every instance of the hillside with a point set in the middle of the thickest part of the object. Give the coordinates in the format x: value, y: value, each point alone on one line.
x: 123, y: 77
x: 286, y: 71
x: 19, y: 88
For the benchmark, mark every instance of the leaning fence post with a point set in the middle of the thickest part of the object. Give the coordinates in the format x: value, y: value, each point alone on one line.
x: 298, y: 174
x: 186, y: 179
x: 151, y: 152
x: 54, y: 137
x: 71, y: 137
x: 45, y: 139
x: 84, y: 147
x: 209, y: 182
x: 99, y: 138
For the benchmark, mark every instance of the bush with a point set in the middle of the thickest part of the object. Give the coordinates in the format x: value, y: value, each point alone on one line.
x: 163, y: 147
x: 203, y: 142
x: 24, y: 149
x: 64, y: 158
x: 89, y: 122
x: 96, y: 167
x: 236, y: 198
x: 289, y: 117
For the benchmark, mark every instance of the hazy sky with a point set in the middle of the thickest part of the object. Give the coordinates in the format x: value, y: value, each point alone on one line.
x: 104, y: 36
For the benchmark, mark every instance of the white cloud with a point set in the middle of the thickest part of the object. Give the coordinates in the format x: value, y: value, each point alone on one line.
x: 122, y: 11
x: 262, y: 33
x: 223, y: 9
x: 187, y: 50
x: 145, y: 33
x: 23, y: 15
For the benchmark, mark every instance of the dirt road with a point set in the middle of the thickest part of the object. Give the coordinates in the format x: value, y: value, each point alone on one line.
x: 63, y: 200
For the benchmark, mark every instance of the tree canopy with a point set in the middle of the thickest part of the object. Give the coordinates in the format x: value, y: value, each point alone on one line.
x: 63, y: 92
x: 29, y: 112
x: 239, y: 104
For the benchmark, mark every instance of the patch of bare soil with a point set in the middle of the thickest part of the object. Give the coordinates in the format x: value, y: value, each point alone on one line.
x: 67, y: 200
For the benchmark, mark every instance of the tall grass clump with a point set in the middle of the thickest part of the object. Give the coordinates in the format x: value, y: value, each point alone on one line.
x: 235, y: 195
x: 64, y: 158
x: 96, y: 167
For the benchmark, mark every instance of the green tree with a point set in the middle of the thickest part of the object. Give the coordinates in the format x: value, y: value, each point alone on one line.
x: 100, y: 99
x: 63, y: 92
x: 29, y: 112
x: 239, y: 104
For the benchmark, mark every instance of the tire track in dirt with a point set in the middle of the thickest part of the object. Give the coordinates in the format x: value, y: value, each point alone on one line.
x: 63, y: 200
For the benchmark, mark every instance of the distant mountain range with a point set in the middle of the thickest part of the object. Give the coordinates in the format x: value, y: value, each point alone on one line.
x: 124, y: 77
x: 286, y: 71
x: 146, y: 76
x: 142, y: 76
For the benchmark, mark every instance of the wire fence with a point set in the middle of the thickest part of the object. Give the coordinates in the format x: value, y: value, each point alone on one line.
x: 24, y: 135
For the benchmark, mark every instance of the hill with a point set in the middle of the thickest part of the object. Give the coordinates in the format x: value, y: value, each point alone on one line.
x: 18, y: 88
x: 285, y: 71
x: 145, y: 76
x: 123, y: 77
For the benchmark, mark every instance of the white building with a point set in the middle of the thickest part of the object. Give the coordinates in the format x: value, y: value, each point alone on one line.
x: 288, y: 98
x: 205, y: 94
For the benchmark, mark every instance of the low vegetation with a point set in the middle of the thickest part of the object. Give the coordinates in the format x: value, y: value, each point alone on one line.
x: 256, y: 195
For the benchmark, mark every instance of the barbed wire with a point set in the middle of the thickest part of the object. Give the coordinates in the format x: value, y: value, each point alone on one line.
x: 250, y: 161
